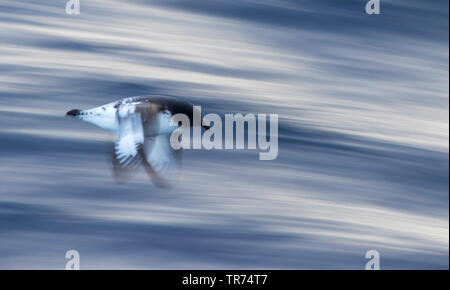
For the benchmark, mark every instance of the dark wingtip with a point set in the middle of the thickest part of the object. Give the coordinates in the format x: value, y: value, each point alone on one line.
x: 73, y: 113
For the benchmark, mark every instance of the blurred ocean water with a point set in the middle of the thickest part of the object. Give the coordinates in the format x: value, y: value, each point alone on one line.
x: 363, y: 160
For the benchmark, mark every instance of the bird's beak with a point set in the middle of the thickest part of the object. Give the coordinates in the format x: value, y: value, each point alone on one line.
x: 73, y: 113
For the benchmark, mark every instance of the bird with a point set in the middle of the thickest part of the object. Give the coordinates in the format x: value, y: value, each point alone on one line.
x: 142, y: 126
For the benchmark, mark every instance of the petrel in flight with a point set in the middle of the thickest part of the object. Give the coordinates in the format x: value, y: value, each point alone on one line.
x: 143, y: 126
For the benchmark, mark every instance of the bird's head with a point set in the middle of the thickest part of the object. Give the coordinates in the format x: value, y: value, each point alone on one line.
x: 103, y: 116
x: 73, y: 113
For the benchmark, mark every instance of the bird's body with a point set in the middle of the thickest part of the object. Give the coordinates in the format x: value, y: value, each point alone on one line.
x: 142, y: 126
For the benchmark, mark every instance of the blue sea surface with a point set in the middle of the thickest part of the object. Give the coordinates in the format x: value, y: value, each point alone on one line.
x: 363, y: 163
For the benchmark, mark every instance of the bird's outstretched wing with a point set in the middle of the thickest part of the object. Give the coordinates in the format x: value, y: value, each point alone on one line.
x: 164, y: 160
x: 138, y: 144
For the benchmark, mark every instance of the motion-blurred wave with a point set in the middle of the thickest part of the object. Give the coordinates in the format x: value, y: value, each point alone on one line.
x: 363, y: 147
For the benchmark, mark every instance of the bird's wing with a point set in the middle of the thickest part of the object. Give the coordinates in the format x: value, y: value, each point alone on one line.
x: 138, y: 144
x: 130, y: 135
x: 128, y: 148
x: 160, y: 155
